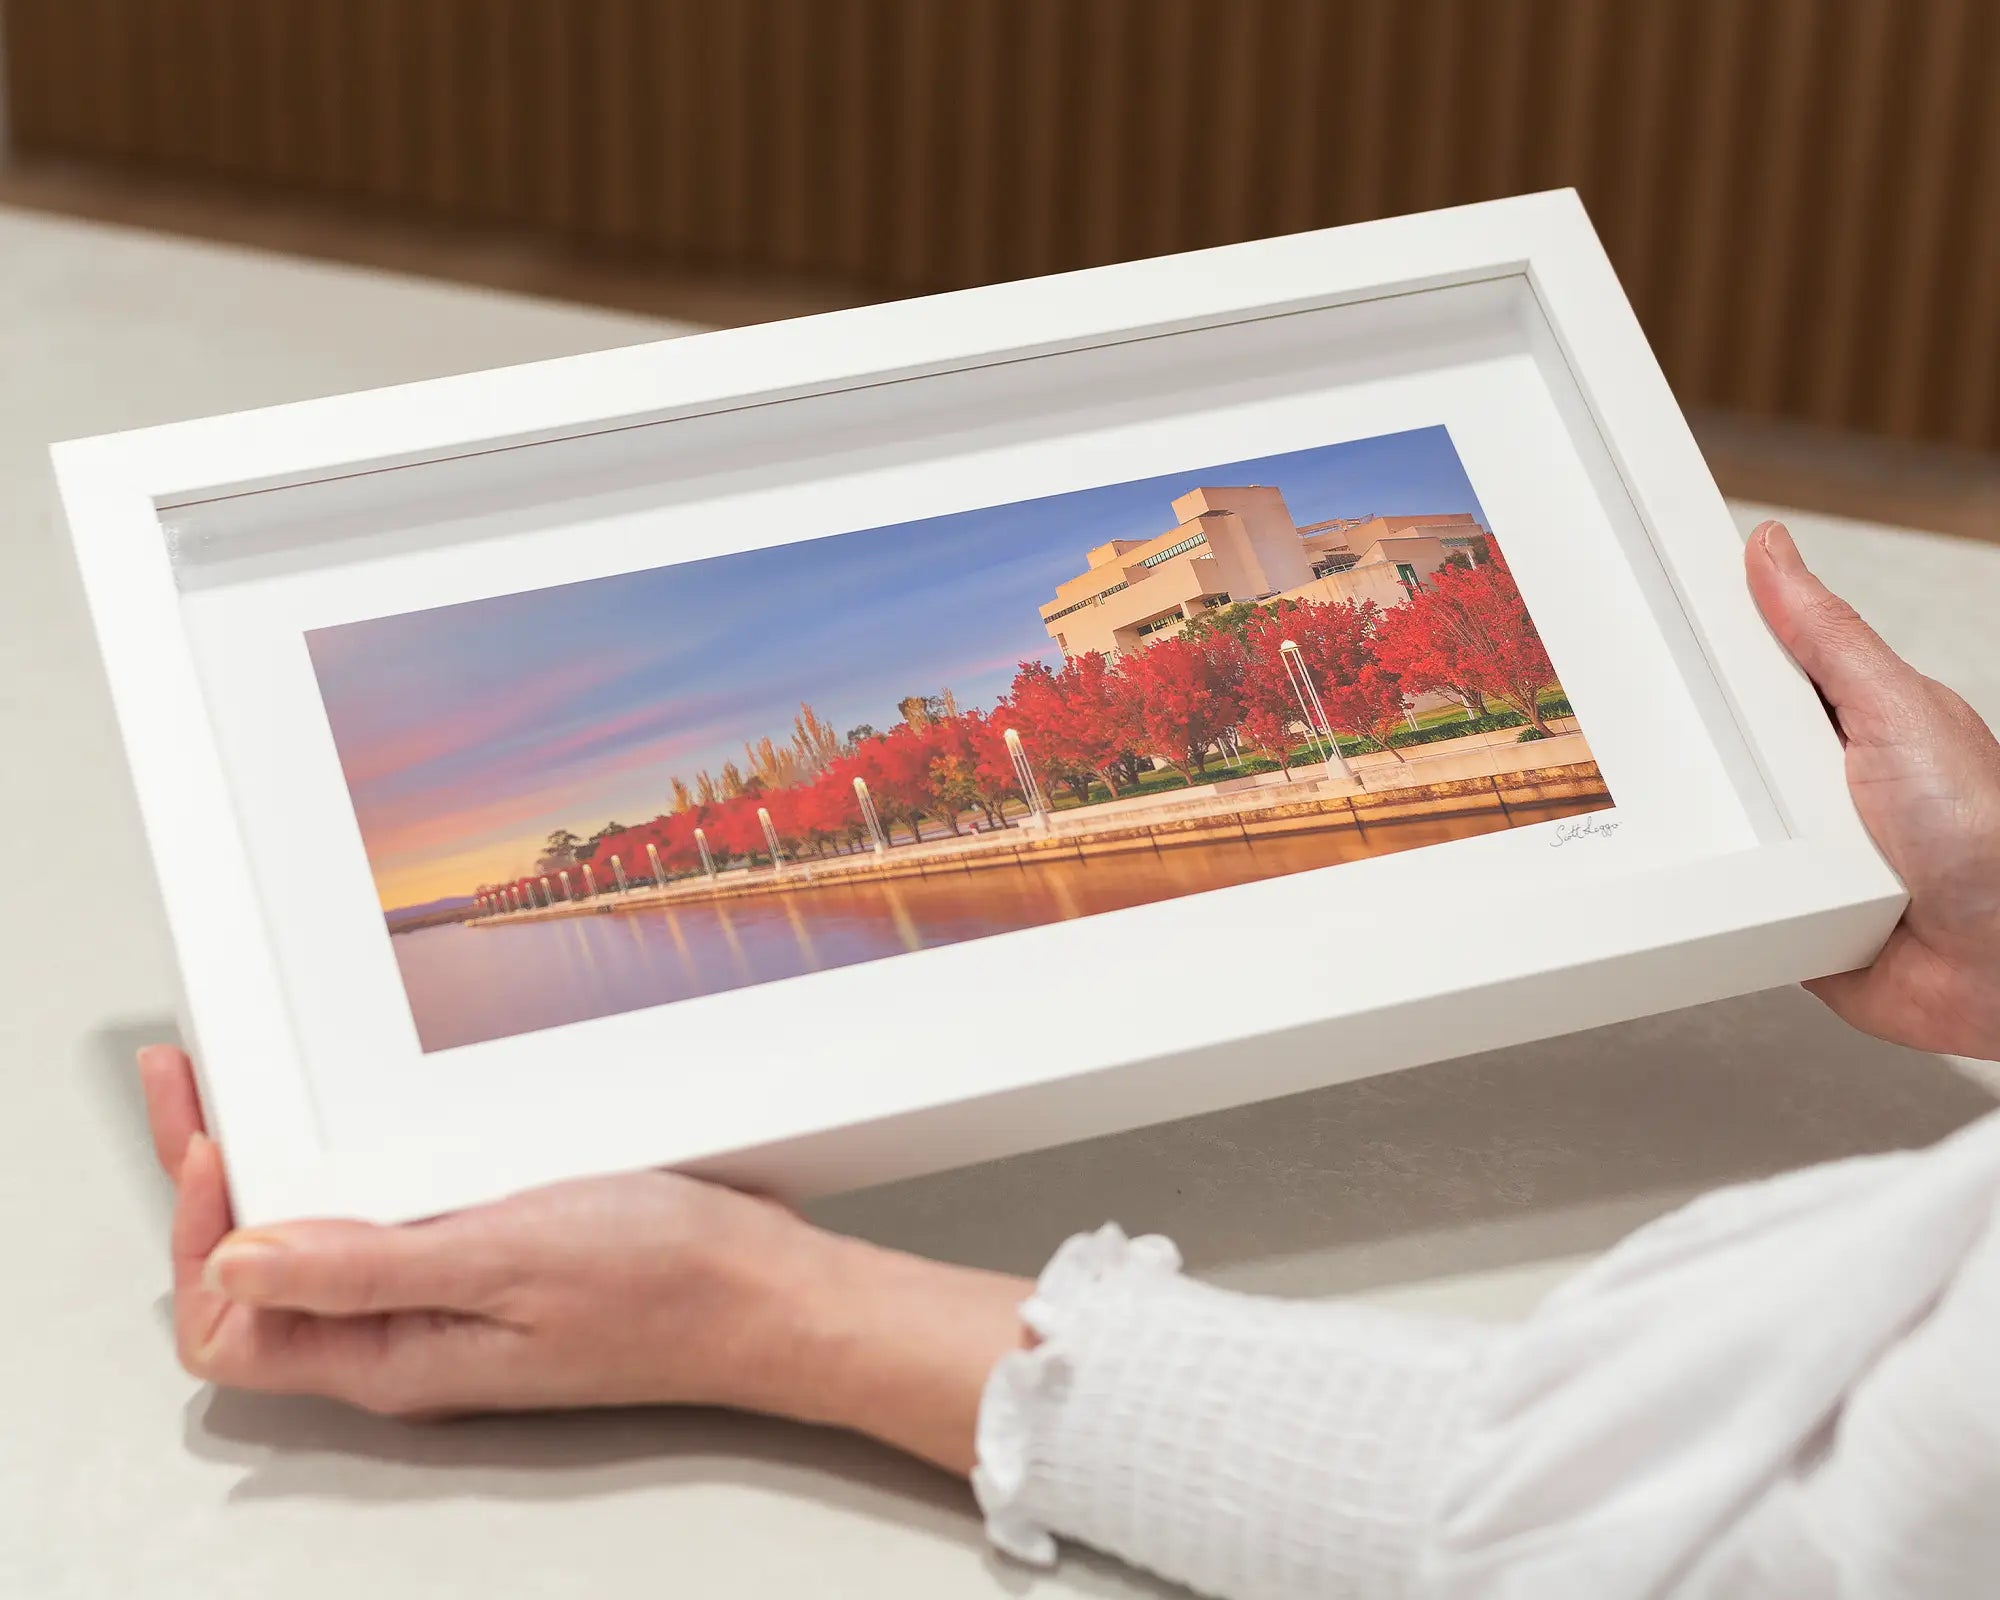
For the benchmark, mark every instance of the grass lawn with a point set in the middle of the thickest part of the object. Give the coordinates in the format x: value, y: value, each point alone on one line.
x: 1164, y: 779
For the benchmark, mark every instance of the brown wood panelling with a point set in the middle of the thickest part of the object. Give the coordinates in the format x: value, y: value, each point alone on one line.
x: 1802, y: 196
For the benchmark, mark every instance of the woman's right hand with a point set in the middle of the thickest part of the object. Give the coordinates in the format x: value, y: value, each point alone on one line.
x: 1925, y: 774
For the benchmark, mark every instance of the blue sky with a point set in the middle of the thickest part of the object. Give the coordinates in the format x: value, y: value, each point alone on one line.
x: 469, y: 732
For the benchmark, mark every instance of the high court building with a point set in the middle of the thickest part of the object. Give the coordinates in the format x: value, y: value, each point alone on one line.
x: 1241, y: 544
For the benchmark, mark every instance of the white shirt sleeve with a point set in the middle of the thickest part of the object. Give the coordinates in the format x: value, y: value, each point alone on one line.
x: 1785, y: 1389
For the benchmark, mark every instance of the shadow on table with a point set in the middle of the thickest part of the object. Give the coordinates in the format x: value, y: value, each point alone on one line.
x: 291, y: 1448
x: 299, y: 1446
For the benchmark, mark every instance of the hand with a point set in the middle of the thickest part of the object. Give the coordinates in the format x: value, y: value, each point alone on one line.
x: 1925, y: 774
x: 642, y: 1288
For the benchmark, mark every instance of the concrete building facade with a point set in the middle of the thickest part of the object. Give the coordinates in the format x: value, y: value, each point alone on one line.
x: 1239, y: 542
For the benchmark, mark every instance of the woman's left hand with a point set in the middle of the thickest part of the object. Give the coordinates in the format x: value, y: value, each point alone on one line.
x: 646, y: 1287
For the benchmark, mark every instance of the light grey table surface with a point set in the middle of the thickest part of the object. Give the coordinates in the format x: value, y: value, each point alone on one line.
x: 1468, y: 1187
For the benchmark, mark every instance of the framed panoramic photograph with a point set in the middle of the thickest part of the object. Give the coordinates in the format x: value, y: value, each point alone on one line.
x: 828, y: 751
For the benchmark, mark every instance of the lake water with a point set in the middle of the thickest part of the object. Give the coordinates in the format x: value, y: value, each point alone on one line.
x: 468, y: 984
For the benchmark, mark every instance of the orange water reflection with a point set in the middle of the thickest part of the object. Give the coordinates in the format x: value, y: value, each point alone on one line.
x: 470, y: 984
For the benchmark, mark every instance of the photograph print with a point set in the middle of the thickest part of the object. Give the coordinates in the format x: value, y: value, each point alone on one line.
x: 640, y: 789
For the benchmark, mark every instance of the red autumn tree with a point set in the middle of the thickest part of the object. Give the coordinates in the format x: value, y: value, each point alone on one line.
x: 896, y: 766
x: 826, y: 810
x: 964, y: 774
x: 1468, y: 629
x: 1270, y: 731
x: 1333, y: 650
x: 1370, y: 702
x: 1180, y: 699
x: 1072, y: 723
x: 733, y: 829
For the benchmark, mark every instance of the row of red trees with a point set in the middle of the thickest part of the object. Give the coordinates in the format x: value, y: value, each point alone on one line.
x: 1465, y: 632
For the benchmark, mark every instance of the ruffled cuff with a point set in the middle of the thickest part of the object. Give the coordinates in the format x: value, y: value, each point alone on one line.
x: 1027, y: 1387
x: 1238, y: 1444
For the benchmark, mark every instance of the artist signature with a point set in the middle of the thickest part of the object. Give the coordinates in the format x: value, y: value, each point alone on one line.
x: 1589, y: 828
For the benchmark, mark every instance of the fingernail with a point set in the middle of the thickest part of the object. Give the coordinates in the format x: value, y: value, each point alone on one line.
x: 151, y: 1055
x: 198, y: 1144
x: 1776, y: 539
x: 235, y: 1266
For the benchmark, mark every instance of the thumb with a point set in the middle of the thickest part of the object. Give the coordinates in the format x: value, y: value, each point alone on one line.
x: 1862, y: 680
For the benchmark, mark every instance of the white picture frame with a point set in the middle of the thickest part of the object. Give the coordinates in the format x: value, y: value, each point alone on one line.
x: 1734, y: 860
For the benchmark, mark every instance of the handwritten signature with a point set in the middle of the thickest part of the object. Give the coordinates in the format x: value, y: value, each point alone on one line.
x: 1589, y: 828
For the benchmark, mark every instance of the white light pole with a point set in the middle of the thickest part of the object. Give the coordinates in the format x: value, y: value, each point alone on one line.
x: 589, y: 882
x: 565, y: 884
x: 659, y: 873
x: 1024, y: 775
x: 1315, y: 712
x: 547, y: 898
x: 618, y: 870
x: 869, y: 816
x: 771, y: 838
x: 707, y: 860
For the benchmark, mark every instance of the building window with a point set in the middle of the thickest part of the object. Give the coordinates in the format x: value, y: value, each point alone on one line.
x: 1173, y: 550
x: 1408, y: 575
x: 1097, y: 599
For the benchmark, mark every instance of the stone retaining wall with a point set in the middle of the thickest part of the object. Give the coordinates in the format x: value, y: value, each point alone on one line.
x: 1244, y: 818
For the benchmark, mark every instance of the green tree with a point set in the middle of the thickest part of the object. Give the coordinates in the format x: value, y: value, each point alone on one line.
x: 1233, y: 619
x: 561, y: 846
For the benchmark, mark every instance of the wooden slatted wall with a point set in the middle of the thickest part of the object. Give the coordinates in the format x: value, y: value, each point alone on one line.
x: 1803, y: 196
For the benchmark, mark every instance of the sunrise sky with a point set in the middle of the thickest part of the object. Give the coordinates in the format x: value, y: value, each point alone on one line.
x: 469, y: 733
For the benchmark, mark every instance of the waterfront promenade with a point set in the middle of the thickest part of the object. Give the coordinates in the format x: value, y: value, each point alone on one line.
x: 1483, y: 778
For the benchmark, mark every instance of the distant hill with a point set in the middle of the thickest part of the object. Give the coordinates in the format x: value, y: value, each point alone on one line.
x: 455, y: 908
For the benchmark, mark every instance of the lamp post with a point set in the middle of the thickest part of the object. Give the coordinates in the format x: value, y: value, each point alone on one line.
x: 869, y: 816
x: 771, y: 838
x: 1315, y: 712
x: 565, y: 884
x: 589, y: 882
x: 1024, y: 775
x: 707, y: 860
x: 659, y: 873
x: 547, y: 898
x: 618, y: 870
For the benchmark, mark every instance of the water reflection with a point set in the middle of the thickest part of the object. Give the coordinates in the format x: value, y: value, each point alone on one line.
x: 469, y: 984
